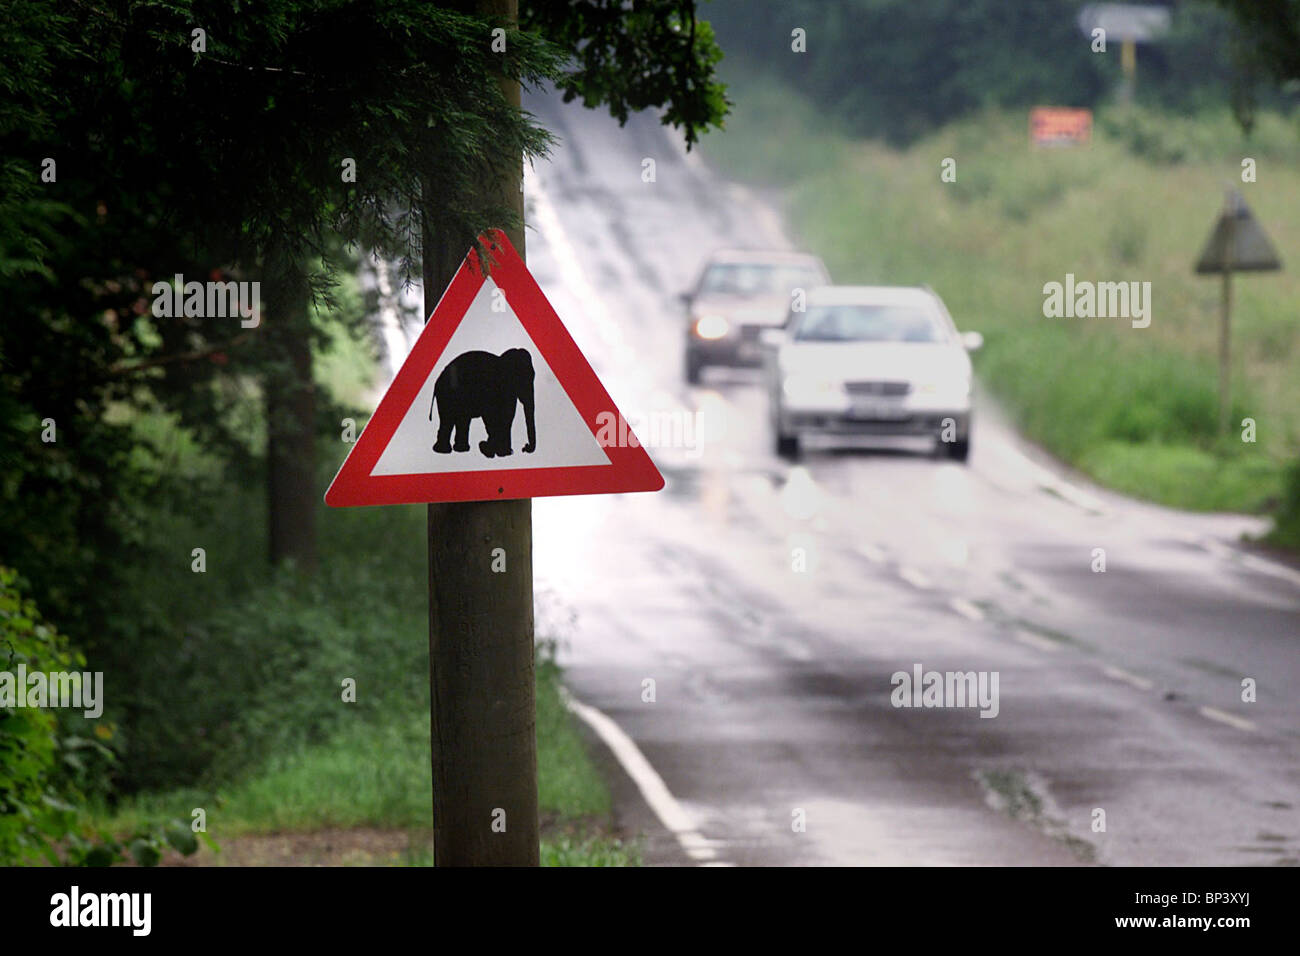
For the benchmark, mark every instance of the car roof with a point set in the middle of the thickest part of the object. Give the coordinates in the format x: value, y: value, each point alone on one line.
x: 769, y: 256
x: 871, y: 295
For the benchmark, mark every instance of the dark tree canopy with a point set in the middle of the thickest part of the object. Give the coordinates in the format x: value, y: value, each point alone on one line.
x: 221, y: 157
x: 632, y: 56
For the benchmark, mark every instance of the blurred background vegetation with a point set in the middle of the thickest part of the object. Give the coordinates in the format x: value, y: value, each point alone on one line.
x: 850, y: 137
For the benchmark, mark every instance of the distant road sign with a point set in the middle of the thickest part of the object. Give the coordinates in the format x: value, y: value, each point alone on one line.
x: 449, y: 427
x: 1238, y: 242
x: 1125, y: 21
x: 1060, y: 126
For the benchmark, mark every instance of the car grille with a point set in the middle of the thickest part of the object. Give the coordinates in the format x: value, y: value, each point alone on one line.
x: 878, y: 388
x: 751, y: 333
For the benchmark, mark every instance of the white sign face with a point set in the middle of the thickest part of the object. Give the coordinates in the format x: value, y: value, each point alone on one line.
x: 489, y: 377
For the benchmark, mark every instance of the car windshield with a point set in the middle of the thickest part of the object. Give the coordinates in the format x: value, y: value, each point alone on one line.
x: 757, y: 278
x: 869, y: 323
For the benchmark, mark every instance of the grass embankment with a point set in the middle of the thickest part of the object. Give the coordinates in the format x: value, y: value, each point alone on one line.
x: 1133, y: 408
x: 252, y: 703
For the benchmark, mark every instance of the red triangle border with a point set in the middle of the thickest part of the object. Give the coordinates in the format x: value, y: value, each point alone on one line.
x: 630, y: 467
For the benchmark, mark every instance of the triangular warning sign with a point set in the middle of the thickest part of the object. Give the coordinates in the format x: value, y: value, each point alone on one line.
x: 1238, y: 242
x: 495, y: 401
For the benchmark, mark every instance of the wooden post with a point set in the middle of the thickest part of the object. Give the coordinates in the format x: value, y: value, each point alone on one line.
x: 1225, y: 363
x: 1225, y: 320
x: 483, y: 710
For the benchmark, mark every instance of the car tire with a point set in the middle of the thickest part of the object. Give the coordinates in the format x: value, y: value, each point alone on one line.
x: 693, y: 367
x: 787, y: 446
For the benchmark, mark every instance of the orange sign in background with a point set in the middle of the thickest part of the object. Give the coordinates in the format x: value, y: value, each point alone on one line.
x: 1059, y: 126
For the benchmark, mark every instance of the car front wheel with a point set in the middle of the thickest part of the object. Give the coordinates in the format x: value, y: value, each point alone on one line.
x: 693, y: 366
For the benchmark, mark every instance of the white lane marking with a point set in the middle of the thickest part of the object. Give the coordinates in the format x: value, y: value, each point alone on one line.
x: 966, y: 609
x: 1266, y: 566
x: 914, y: 577
x: 872, y: 553
x: 1255, y: 562
x: 1076, y: 497
x: 653, y: 789
x: 1036, y: 640
x: 1223, y: 717
x: 1047, y: 480
x: 1119, y: 674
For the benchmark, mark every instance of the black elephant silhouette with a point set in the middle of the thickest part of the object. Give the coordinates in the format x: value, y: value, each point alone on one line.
x: 483, y: 385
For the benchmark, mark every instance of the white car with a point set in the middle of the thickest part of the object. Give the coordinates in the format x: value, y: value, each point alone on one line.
x: 866, y: 361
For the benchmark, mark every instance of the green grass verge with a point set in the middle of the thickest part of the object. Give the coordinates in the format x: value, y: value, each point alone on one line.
x: 1133, y: 408
x: 376, y: 774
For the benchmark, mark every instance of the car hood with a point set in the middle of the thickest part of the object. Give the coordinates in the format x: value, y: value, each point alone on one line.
x: 745, y: 310
x: 875, y: 361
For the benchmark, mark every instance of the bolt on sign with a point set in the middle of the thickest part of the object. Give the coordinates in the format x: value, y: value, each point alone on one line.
x: 494, y: 402
x: 1056, y: 126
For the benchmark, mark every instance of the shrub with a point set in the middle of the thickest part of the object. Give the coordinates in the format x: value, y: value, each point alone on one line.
x: 48, y: 761
x: 1286, y: 530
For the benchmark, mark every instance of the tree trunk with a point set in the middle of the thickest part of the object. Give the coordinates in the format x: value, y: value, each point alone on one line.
x: 290, y: 396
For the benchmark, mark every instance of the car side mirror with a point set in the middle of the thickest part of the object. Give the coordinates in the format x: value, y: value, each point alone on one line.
x: 972, y: 341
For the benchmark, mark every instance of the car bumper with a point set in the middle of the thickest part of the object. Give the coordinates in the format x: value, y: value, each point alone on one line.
x: 924, y: 422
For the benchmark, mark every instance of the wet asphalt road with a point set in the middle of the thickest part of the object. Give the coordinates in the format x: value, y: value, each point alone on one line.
x: 1119, y: 691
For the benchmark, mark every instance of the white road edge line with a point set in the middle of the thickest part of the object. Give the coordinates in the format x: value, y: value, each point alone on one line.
x: 1223, y: 717
x: 1048, y: 480
x: 872, y: 553
x: 653, y: 789
x: 1246, y: 559
x: 966, y: 609
x: 1036, y: 640
x: 1126, y: 677
x: 1265, y: 566
x: 914, y: 577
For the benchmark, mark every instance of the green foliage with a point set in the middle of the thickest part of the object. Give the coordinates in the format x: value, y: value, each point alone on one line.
x: 567, y: 850
x: 568, y: 785
x: 899, y: 69
x: 1286, y: 531
x: 33, y: 811
x: 1272, y: 34
x: 635, y: 56
x: 30, y: 43
x: 49, y: 760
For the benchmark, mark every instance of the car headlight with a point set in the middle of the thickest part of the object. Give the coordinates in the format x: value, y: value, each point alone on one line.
x: 808, y: 388
x: 711, y: 326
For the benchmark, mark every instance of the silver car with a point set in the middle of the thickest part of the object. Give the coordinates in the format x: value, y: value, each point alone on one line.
x: 741, y: 292
x: 865, y: 361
